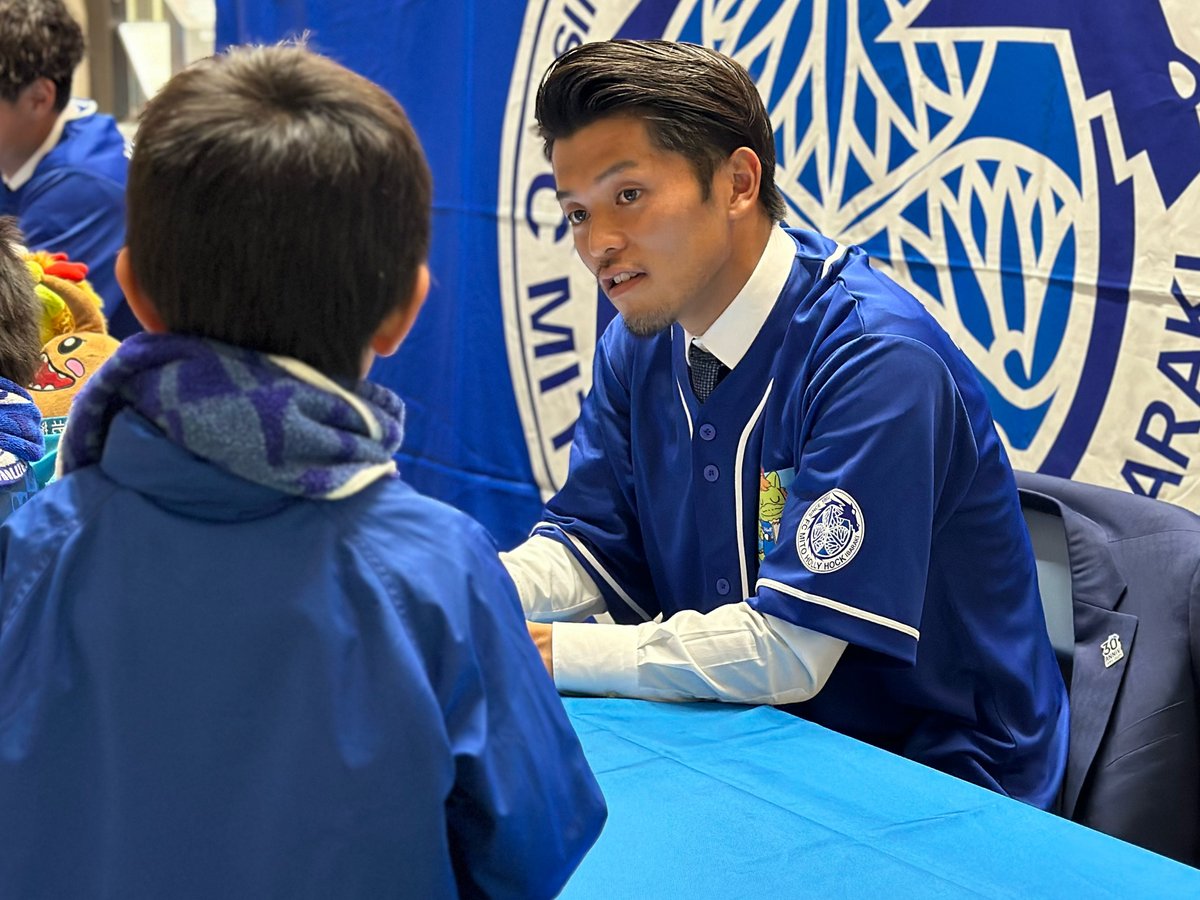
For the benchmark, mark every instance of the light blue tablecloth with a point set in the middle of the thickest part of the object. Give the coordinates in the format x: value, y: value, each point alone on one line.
x: 717, y: 801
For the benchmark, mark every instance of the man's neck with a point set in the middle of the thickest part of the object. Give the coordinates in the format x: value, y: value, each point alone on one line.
x: 12, y: 159
x: 749, y: 240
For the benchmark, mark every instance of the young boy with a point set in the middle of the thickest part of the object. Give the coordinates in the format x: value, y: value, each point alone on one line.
x: 238, y: 656
x: 20, y: 422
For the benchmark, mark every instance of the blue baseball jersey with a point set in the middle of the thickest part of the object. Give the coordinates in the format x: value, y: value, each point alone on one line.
x: 75, y: 204
x: 846, y: 476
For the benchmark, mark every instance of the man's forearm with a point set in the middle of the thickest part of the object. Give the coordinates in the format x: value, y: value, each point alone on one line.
x: 733, y: 654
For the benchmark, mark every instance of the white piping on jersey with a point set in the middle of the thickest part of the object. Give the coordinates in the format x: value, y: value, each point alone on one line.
x: 839, y: 607
x: 587, y: 554
x: 737, y: 487
x: 679, y: 387
x: 831, y: 259
x: 683, y: 400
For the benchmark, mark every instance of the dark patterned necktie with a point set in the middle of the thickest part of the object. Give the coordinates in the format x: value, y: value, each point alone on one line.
x: 706, y: 371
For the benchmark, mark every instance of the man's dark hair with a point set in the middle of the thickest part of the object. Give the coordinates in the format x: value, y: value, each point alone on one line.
x: 694, y: 102
x: 20, y: 310
x: 38, y: 39
x: 278, y: 201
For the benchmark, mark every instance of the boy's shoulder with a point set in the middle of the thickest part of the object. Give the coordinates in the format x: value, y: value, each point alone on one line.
x: 414, y: 546
x: 18, y: 483
x: 409, y: 523
x: 31, y: 537
x: 61, y: 504
x: 428, y: 558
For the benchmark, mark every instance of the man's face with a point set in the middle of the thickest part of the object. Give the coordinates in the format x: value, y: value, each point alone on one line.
x: 659, y: 252
x: 23, y: 126
x: 11, y: 135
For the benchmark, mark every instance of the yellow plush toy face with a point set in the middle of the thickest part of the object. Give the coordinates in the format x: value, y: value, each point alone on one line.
x: 67, y: 361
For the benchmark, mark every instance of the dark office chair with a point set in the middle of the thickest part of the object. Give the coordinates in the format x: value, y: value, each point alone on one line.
x: 1133, y: 768
x: 1049, y: 539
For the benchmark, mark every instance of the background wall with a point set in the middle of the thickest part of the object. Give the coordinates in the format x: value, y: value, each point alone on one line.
x: 81, y: 85
x: 1030, y: 169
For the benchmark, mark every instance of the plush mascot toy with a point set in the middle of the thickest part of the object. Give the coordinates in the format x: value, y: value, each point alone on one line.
x: 75, y: 343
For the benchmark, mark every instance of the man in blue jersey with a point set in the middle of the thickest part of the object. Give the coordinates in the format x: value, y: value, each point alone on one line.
x: 785, y: 486
x: 63, y: 165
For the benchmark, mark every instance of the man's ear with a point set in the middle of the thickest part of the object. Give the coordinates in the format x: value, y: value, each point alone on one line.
x: 141, y: 305
x: 39, y: 96
x: 744, y: 170
x: 394, y: 329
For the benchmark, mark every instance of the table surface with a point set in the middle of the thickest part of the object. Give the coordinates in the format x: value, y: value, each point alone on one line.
x: 712, y: 800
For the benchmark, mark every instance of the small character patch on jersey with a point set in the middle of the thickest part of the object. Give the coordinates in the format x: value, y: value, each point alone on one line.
x: 831, y: 532
x: 1112, y: 650
x: 772, y: 494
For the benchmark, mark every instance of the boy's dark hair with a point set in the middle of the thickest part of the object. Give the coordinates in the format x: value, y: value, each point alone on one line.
x: 279, y: 202
x: 20, y: 310
x: 38, y: 39
x: 694, y: 102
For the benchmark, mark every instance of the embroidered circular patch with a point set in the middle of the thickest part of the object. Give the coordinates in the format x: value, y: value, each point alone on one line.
x: 830, y: 532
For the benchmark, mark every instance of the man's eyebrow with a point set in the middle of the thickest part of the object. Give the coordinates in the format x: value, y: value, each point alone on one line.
x: 607, y: 173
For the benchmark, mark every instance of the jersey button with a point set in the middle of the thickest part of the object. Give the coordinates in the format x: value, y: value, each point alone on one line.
x: 711, y: 473
x: 707, y: 431
x: 722, y: 586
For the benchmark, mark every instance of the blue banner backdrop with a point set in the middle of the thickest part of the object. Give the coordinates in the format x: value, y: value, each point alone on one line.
x: 1030, y: 169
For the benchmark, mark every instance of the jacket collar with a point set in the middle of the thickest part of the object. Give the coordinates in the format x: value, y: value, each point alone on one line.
x: 1097, y: 588
x: 141, y: 458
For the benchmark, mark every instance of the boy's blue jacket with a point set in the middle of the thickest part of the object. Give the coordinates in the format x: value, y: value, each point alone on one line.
x: 212, y: 689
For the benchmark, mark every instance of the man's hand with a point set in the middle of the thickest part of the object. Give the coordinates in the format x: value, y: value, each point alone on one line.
x: 542, y: 635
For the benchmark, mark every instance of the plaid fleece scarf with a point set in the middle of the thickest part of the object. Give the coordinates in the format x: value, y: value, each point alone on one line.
x: 269, y: 419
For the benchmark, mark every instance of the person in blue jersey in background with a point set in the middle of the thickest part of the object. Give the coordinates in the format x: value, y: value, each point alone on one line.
x: 764, y: 391
x: 21, y: 441
x: 63, y: 164
x: 239, y: 657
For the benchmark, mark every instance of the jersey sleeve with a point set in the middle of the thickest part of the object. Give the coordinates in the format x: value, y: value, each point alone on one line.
x: 883, y: 435
x: 525, y: 807
x: 595, y: 514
